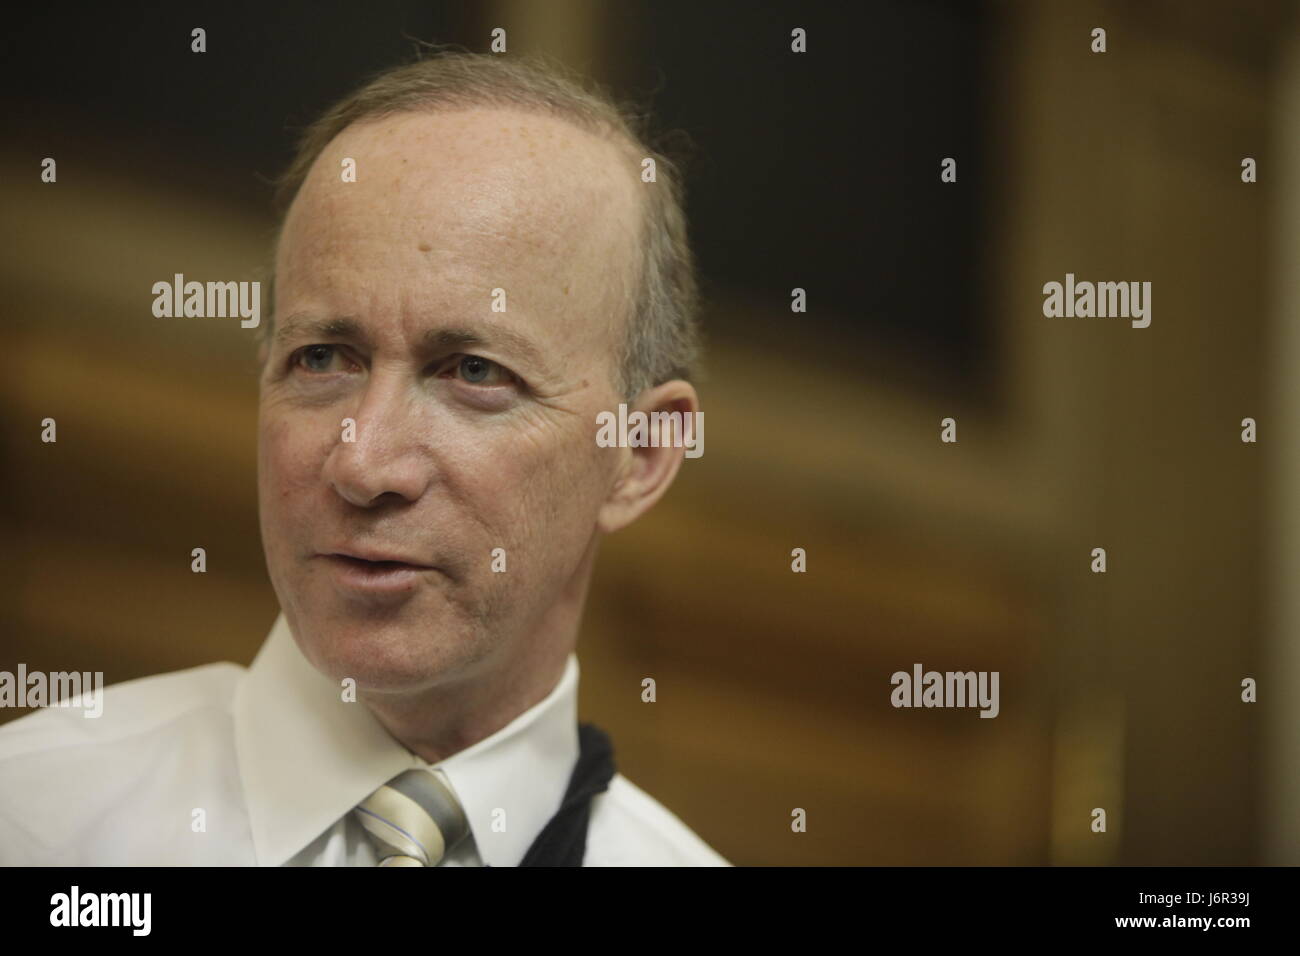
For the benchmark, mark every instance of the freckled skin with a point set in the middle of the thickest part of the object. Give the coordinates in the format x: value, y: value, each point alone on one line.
x: 445, y: 209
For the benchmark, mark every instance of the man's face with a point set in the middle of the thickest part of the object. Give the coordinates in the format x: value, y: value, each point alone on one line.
x: 474, y: 428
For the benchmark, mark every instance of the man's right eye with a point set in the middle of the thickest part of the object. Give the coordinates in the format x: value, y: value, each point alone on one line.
x: 315, y: 358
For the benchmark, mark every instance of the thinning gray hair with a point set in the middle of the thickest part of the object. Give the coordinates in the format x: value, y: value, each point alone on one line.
x: 661, y: 341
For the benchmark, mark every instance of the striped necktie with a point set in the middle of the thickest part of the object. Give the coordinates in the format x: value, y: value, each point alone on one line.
x: 414, y: 819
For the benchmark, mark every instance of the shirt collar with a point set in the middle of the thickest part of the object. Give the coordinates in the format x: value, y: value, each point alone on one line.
x: 306, y: 758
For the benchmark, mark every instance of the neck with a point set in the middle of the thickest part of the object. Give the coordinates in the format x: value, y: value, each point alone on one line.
x: 437, y: 722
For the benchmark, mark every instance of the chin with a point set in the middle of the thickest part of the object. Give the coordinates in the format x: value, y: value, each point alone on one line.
x: 384, y: 655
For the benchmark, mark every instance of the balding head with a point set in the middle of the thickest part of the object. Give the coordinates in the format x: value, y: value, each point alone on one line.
x: 452, y: 207
x: 660, y: 340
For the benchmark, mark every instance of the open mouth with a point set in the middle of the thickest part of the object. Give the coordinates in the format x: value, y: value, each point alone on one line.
x: 363, y: 564
x: 377, y: 580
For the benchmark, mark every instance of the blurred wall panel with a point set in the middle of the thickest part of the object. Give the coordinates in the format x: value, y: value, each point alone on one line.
x: 1123, y: 166
x: 1281, y: 672
x: 155, y: 423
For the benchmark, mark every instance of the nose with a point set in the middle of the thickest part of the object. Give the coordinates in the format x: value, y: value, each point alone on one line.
x: 385, y: 461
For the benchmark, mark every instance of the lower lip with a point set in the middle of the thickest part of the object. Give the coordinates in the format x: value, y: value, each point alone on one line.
x: 375, y: 578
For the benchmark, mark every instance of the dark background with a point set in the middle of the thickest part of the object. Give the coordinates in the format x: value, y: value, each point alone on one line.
x: 816, y: 172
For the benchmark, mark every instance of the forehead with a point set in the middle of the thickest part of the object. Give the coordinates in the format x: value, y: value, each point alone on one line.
x: 446, y: 207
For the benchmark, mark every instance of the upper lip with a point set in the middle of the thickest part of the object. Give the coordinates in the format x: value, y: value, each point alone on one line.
x: 367, y: 554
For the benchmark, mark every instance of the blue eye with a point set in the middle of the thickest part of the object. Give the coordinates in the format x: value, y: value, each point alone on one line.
x: 492, y: 378
x: 475, y: 369
x: 313, y: 354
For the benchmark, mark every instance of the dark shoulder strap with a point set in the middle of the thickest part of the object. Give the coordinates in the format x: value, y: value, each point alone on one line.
x: 563, y: 841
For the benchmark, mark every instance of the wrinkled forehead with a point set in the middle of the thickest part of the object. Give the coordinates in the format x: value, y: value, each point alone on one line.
x: 498, y: 196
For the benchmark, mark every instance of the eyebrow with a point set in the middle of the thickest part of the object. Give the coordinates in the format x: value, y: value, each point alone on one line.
x: 299, y: 325
x: 433, y: 340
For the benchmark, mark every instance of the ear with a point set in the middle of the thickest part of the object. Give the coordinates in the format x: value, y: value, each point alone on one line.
x: 644, y: 474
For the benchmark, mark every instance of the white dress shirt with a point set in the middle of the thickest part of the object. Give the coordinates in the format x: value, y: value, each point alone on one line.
x: 225, y: 766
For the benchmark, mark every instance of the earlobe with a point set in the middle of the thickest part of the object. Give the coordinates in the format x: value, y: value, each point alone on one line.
x: 620, y: 507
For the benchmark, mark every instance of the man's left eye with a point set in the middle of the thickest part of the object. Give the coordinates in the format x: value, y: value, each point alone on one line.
x: 479, y: 371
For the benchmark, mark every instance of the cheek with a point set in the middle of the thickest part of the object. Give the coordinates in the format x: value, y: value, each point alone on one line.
x: 284, y: 468
x: 558, y: 492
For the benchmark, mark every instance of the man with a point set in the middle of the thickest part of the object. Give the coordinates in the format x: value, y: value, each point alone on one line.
x: 470, y: 270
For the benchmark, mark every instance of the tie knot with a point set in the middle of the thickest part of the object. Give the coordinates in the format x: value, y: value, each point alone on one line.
x: 414, y: 819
